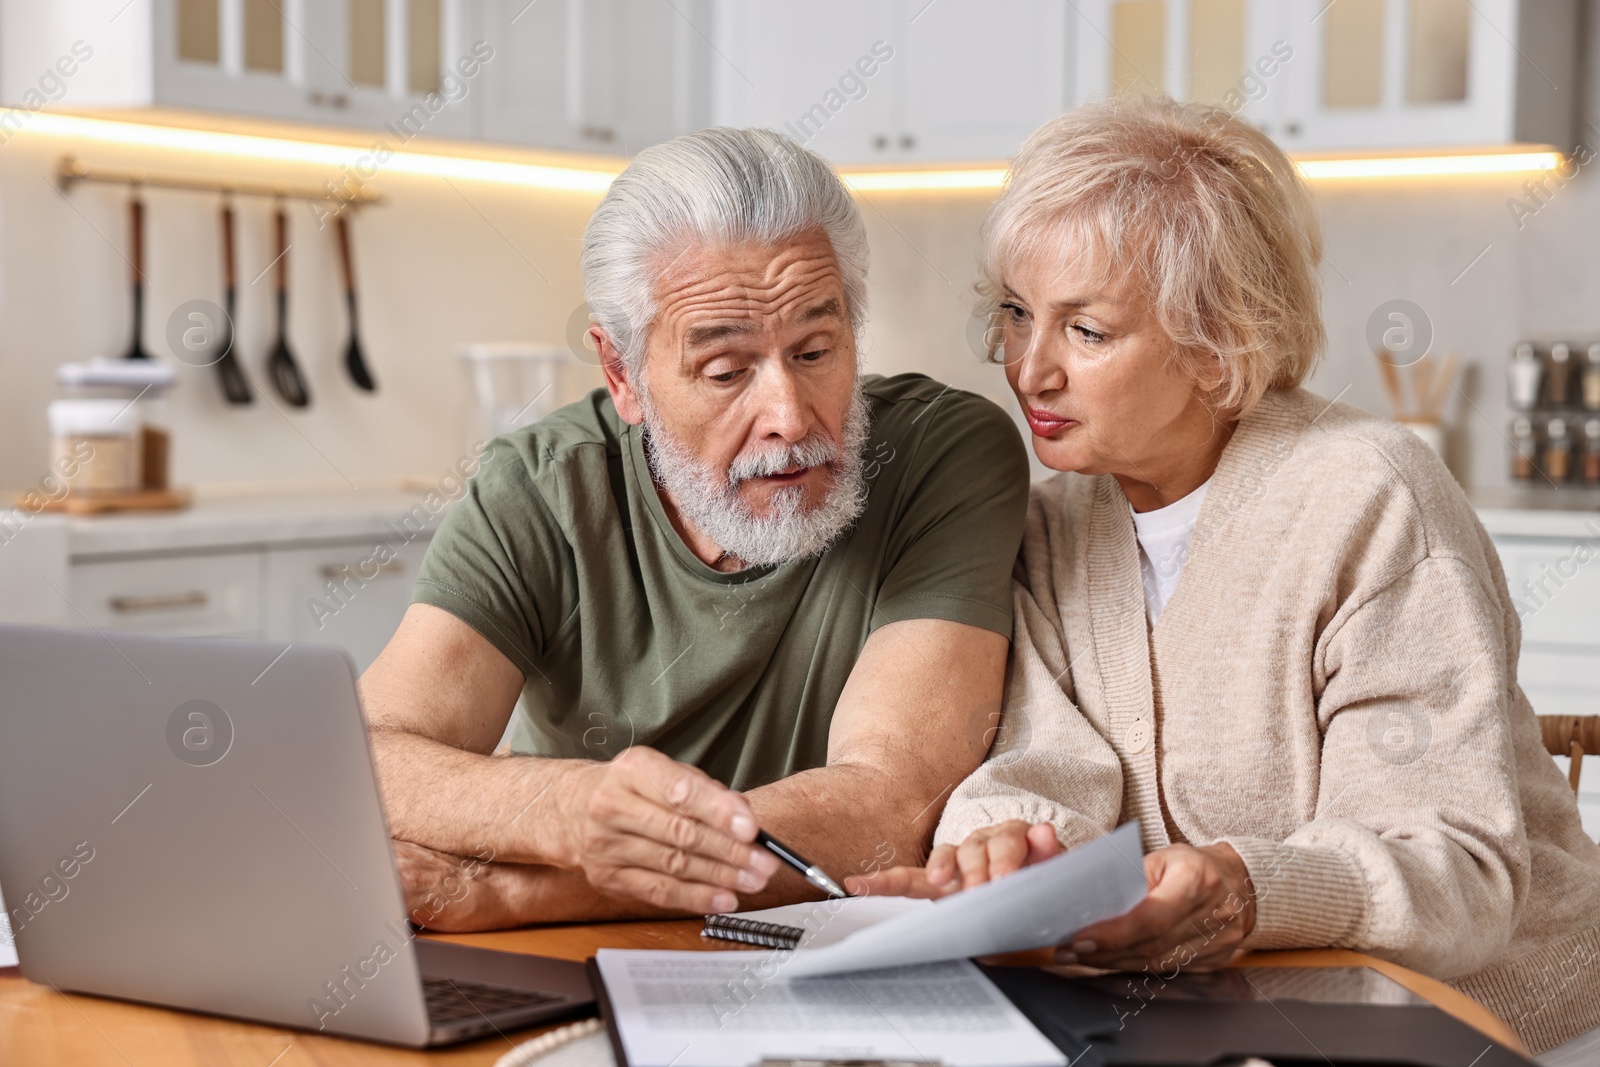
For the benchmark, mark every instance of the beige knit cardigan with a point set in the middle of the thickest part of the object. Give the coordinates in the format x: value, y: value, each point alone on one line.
x: 1332, y: 690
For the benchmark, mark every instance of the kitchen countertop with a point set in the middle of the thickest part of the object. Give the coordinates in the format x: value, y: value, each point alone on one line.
x: 245, y: 520
x: 1528, y: 512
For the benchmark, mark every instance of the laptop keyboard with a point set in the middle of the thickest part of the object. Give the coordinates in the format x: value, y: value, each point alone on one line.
x: 450, y: 999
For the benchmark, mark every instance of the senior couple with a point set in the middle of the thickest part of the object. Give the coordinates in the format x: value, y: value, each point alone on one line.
x: 745, y: 586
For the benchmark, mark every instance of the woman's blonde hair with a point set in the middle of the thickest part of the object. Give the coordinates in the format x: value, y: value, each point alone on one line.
x: 1209, y: 214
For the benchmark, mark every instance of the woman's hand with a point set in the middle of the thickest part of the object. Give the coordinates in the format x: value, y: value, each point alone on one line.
x: 985, y: 855
x: 1200, y: 907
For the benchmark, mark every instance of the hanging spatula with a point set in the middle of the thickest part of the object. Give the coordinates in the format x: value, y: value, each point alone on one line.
x: 230, y: 372
x: 354, y: 361
x: 136, y: 250
x: 281, y: 367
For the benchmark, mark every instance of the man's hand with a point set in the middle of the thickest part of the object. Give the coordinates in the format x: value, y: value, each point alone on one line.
x: 647, y: 827
x: 1200, y: 907
x: 986, y: 854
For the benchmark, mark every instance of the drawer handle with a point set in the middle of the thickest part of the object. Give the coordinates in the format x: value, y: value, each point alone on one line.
x: 168, y: 602
x: 335, y: 571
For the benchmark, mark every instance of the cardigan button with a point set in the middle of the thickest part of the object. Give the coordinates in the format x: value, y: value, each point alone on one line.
x: 1137, y: 739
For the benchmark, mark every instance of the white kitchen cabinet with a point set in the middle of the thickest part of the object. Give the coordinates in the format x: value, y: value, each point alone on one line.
x: 1429, y: 74
x: 1559, y: 603
x: 893, y: 81
x: 200, y: 595
x: 366, y: 63
x: 361, y: 63
x: 1356, y: 75
x: 978, y: 77
x: 343, y: 594
x: 610, y: 76
x: 229, y: 566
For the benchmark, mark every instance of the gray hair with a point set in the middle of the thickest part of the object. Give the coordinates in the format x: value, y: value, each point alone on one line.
x: 716, y: 186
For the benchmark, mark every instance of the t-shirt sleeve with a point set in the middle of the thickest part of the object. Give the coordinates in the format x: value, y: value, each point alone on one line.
x: 960, y: 523
x: 496, y: 562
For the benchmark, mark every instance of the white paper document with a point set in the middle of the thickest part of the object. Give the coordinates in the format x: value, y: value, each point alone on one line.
x: 732, y: 1009
x: 1039, y: 905
x: 8, y: 945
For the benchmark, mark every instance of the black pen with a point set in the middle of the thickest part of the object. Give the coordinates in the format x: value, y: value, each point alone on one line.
x: 813, y: 874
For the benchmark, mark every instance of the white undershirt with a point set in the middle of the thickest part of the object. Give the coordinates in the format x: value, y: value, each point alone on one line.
x: 1164, y: 536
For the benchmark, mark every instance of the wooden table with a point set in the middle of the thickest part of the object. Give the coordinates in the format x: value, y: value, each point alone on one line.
x: 39, y: 1026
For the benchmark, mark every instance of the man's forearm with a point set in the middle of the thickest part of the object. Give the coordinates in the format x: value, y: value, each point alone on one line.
x: 461, y: 802
x: 848, y: 819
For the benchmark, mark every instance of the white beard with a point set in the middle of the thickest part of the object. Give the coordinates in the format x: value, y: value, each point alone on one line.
x: 710, y: 499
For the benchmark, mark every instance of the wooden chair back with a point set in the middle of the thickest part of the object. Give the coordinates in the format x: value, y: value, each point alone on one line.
x: 1571, y: 736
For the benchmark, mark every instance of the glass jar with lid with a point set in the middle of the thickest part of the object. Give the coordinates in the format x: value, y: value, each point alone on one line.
x: 1524, y: 450
x: 1557, y: 451
x: 138, y: 388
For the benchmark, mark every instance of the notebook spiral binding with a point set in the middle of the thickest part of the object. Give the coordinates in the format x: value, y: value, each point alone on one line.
x: 752, y: 931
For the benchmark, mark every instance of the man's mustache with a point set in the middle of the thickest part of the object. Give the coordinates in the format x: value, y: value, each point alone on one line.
x: 814, y: 451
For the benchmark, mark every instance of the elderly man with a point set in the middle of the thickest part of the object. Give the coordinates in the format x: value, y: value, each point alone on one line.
x: 741, y: 587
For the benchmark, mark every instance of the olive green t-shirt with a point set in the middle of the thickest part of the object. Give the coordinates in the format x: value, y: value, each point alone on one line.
x: 561, y: 555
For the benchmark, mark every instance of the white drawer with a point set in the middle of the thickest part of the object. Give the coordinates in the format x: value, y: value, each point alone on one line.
x: 200, y: 596
x: 1561, y: 682
x: 1558, y: 594
x: 352, y: 595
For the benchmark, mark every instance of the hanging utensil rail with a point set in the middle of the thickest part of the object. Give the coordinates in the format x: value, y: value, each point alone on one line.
x: 72, y: 170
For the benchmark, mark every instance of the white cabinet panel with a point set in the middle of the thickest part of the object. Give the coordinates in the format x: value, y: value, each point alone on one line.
x: 822, y: 71
x: 1561, y: 682
x: 893, y: 81
x: 610, y: 76
x: 352, y: 595
x: 979, y: 77
x: 197, y: 596
x: 1557, y: 587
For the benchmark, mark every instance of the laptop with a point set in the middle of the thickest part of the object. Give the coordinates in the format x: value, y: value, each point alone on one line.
x: 195, y: 823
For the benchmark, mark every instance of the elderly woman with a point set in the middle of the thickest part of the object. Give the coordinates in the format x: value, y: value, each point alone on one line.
x: 1267, y: 626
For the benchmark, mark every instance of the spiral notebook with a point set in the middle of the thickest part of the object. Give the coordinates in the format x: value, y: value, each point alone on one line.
x: 753, y: 931
x: 817, y: 923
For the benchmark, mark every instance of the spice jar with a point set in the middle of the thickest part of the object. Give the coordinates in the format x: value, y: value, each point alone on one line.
x: 95, y: 446
x: 1523, y: 376
x: 1523, y: 449
x: 1591, y: 453
x: 1558, y: 382
x: 1557, y: 451
x: 1591, y: 379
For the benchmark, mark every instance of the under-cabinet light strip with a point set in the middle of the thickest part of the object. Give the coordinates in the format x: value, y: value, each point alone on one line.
x: 595, y: 180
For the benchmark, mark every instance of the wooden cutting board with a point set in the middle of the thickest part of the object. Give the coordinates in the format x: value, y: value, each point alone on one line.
x: 136, y: 500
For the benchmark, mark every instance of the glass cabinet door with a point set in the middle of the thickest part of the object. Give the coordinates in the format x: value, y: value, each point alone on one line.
x: 1398, y: 74
x: 362, y: 63
x: 1226, y: 53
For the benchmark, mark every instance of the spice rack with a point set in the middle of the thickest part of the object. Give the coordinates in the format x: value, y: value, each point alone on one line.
x: 1554, y: 391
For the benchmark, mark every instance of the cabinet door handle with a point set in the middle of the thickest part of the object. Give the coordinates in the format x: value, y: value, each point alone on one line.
x: 124, y: 605
x: 335, y: 571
